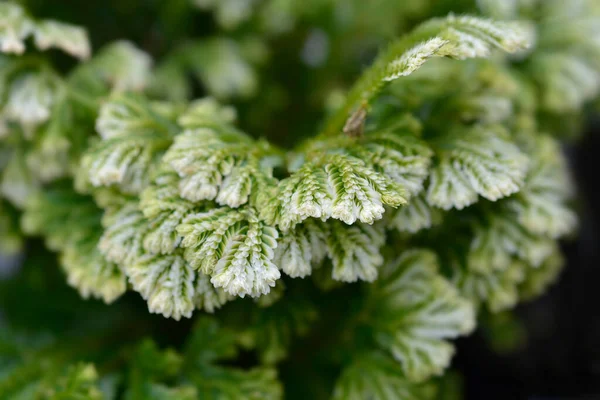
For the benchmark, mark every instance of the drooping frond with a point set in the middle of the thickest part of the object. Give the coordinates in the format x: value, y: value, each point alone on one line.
x: 90, y: 273
x: 457, y: 37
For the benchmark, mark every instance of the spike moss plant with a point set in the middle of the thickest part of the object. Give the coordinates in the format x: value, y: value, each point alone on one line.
x: 330, y: 219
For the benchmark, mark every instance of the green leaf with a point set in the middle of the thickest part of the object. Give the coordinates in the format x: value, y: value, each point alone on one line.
x: 150, y: 368
x: 351, y: 179
x: 479, y: 161
x: 90, y: 273
x: 166, y: 282
x: 79, y: 382
x: 164, y: 209
x: 355, y: 251
x: 537, y: 280
x: 565, y: 64
x: 414, y: 311
x: 217, y: 162
x: 70, y: 223
x: 500, y: 238
x: 122, y: 239
x: 234, y: 247
x: 341, y: 187
x: 457, y: 37
x: 134, y: 137
x: 17, y: 184
x: 399, y: 155
x: 376, y: 376
x: 54, y: 151
x: 305, y: 194
x: 359, y: 193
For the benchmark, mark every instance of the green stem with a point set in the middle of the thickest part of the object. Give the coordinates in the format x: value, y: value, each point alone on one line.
x: 372, y: 82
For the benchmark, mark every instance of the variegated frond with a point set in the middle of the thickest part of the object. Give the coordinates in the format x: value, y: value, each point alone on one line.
x: 215, y: 161
x: 234, y: 247
x: 302, y: 248
x: 472, y: 162
x: 414, y: 311
x: 135, y: 133
x: 351, y: 179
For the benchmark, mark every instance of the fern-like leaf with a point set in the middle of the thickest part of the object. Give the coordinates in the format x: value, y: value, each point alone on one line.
x: 457, y: 37
x: 479, y: 161
x: 134, y: 135
x: 166, y: 282
x: 378, y: 377
x: 217, y: 162
x: 415, y: 312
x: 234, y: 247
